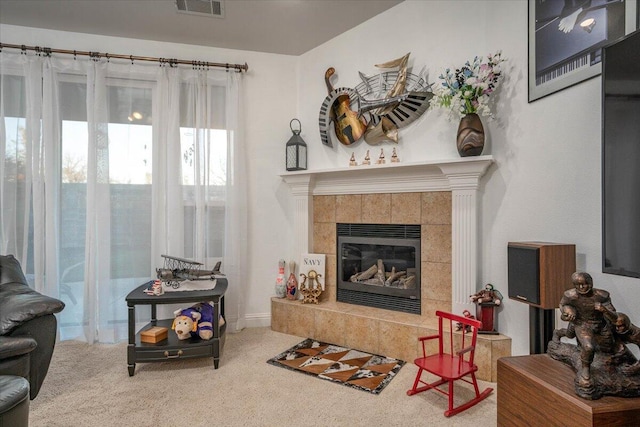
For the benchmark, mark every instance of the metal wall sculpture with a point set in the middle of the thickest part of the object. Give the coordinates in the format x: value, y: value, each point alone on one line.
x: 377, y: 107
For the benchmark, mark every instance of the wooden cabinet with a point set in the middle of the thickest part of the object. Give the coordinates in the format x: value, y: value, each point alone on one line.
x: 538, y: 391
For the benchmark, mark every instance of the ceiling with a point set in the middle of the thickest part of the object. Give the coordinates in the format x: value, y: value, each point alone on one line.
x: 290, y: 27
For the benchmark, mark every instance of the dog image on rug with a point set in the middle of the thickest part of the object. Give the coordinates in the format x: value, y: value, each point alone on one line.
x: 353, y: 368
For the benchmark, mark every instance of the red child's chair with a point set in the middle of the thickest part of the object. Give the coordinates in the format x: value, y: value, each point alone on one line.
x: 454, y: 365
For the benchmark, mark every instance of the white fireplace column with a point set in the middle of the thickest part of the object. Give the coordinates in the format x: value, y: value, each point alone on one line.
x: 461, y: 176
x: 463, y: 179
x: 301, y: 189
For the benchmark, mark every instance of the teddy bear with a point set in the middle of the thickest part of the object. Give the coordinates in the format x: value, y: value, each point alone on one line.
x: 195, y: 321
x: 460, y: 325
x: 486, y: 295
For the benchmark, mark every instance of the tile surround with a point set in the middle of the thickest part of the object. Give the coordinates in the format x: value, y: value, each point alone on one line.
x: 422, y: 208
x: 376, y: 209
x: 407, y: 208
x: 348, y: 208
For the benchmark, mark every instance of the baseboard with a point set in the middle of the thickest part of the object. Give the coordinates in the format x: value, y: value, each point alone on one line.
x: 259, y: 320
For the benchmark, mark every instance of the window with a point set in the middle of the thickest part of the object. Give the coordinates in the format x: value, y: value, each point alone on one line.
x: 121, y: 232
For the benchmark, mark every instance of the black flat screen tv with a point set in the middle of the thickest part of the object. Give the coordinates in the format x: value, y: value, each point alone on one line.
x: 621, y: 157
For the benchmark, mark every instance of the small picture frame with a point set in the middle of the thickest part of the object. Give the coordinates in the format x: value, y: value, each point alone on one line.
x: 566, y: 39
x: 314, y: 262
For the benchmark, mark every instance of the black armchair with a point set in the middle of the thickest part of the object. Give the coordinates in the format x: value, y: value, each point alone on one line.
x: 27, y: 326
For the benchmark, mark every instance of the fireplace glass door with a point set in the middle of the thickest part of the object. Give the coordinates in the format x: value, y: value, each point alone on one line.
x: 378, y: 271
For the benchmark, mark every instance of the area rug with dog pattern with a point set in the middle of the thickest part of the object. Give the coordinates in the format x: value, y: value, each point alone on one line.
x: 353, y: 368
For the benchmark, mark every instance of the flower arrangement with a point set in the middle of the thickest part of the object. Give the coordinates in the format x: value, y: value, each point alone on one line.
x: 466, y: 90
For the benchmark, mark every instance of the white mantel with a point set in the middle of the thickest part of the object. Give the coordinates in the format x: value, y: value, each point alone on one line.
x: 461, y: 176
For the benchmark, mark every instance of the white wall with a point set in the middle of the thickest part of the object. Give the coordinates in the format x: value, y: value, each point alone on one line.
x: 544, y: 185
x: 545, y: 182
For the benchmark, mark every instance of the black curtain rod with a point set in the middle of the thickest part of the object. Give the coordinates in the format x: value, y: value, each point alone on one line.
x: 96, y: 55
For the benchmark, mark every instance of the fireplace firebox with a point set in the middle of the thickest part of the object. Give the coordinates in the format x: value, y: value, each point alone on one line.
x: 379, y: 266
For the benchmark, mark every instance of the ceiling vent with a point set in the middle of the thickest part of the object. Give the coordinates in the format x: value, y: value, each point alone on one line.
x: 211, y: 8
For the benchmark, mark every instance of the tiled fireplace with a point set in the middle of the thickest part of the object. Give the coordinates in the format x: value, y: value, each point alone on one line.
x: 431, y: 211
x: 437, y: 197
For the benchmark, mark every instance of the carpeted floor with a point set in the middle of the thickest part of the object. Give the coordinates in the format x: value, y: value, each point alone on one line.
x: 349, y: 367
x: 88, y: 385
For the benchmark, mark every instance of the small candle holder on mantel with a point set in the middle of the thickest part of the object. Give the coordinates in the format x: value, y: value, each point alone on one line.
x: 394, y: 156
x: 352, y: 160
x: 312, y: 289
x: 367, y: 159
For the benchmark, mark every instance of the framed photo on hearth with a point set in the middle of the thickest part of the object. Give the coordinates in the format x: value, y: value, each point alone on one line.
x: 566, y: 39
x: 314, y: 262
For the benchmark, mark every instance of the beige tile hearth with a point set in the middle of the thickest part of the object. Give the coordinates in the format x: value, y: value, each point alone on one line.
x: 363, y: 333
x: 300, y: 321
x: 404, y: 342
x: 377, y: 331
x: 330, y: 325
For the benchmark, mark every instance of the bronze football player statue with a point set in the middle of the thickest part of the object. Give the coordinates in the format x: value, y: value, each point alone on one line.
x: 602, y: 362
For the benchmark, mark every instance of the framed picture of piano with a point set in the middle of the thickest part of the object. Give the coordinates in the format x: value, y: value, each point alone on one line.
x: 566, y: 39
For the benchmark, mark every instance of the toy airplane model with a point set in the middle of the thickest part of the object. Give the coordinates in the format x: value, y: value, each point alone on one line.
x: 177, y: 270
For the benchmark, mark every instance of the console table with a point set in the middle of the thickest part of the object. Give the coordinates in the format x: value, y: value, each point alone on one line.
x: 538, y: 391
x: 172, y: 348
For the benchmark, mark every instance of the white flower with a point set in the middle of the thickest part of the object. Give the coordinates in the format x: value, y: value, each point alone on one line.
x: 467, y: 89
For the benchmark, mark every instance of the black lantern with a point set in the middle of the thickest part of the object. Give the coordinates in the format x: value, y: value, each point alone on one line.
x: 296, y: 155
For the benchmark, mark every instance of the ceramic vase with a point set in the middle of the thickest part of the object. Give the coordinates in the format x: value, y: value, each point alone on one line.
x: 470, y: 136
x: 281, y: 285
x: 292, y: 283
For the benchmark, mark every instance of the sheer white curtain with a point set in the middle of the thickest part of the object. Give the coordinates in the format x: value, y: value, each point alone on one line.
x: 167, y: 213
x: 99, y: 324
x: 201, y: 182
x: 107, y: 165
x: 29, y: 208
x: 236, y: 223
x: 17, y: 175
